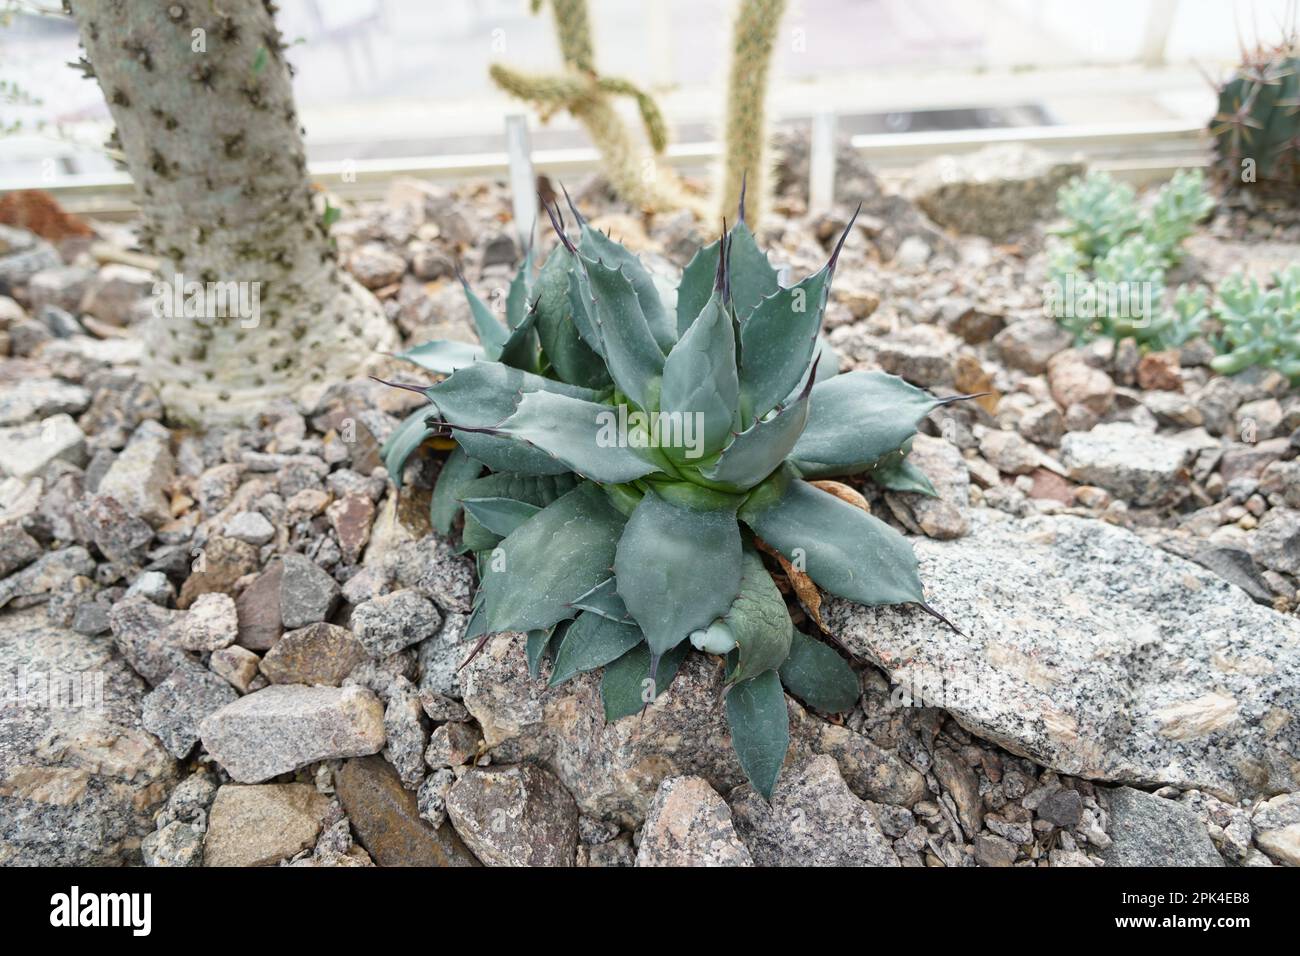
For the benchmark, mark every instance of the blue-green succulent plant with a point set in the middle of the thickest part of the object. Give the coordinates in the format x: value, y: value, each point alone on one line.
x: 621, y: 451
x: 1261, y: 326
x: 1108, y: 264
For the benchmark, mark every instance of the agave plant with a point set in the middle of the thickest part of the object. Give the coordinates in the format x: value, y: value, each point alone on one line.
x: 622, y: 453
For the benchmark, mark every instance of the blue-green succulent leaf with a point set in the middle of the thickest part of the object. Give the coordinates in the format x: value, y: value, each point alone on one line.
x: 583, y: 436
x: 700, y: 382
x: 582, y: 304
x: 855, y: 420
x: 571, y: 358
x: 752, y: 276
x: 457, y: 471
x: 757, y: 621
x: 696, y: 287
x: 632, y: 355
x: 485, y: 394
x: 444, y: 356
x: 535, y: 649
x: 842, y: 548
x: 603, y: 599
x: 405, y: 439
x: 596, y: 245
x: 517, y: 297
x: 501, y: 516
x: 896, y: 473
x: 520, y: 349
x: 491, y: 332
x: 536, y: 573
x: 760, y: 729
x: 818, y: 676
x: 626, y: 687
x: 592, y: 641
x: 760, y: 449
x: 677, y: 569
x: 777, y: 343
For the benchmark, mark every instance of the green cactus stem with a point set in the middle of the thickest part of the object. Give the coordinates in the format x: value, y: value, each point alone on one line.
x: 1256, y: 128
x: 633, y: 171
x: 746, y: 159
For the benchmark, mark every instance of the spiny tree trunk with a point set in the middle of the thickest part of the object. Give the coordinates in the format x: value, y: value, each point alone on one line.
x: 204, y: 109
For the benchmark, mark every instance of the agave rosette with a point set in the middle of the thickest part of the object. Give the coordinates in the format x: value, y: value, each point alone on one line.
x: 619, y: 455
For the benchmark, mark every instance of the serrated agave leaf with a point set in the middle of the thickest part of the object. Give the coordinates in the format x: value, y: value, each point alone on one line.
x: 760, y: 729
x: 474, y: 537
x: 596, y: 245
x: 444, y: 356
x: 572, y: 359
x: 405, y: 439
x: 542, y: 644
x: 517, y: 297
x: 777, y: 343
x: 758, y: 622
x: 592, y: 641
x: 700, y: 378
x: 896, y: 473
x: 491, y: 333
x: 520, y: 349
x: 626, y: 686
x: 826, y: 364
x: 484, y: 395
x: 457, y: 471
x: 582, y: 304
x: 536, y: 573
x: 696, y: 288
x: 842, y: 548
x: 677, y: 569
x: 818, y: 676
x: 539, y: 490
x: 757, y: 451
x: 501, y: 516
x: 856, y: 419
x: 583, y: 436
x: 631, y: 353
x: 752, y: 276
x: 476, y: 626
x: 603, y: 599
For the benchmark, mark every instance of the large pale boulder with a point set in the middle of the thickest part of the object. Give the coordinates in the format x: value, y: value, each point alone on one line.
x: 79, y: 777
x: 1097, y: 655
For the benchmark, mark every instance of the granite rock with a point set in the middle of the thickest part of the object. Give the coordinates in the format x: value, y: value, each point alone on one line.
x: 172, y: 710
x: 387, y: 821
x: 1147, y: 830
x: 690, y: 825
x: 515, y: 816
x: 287, y: 726
x: 263, y: 824
x: 316, y: 654
x: 1096, y: 655
x: 813, y: 819
x: 79, y: 781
